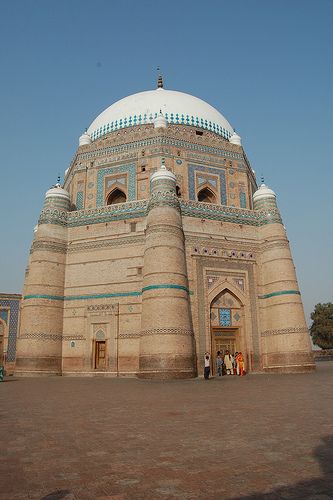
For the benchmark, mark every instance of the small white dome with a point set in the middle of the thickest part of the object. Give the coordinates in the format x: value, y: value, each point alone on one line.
x: 263, y: 193
x: 160, y: 121
x: 57, y: 192
x: 163, y: 173
x: 235, y: 139
x: 35, y: 229
x: 85, y: 139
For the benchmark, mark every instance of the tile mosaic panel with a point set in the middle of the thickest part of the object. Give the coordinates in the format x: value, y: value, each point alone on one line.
x: 194, y: 169
x: 131, y: 173
x: 225, y: 317
x: 79, y: 200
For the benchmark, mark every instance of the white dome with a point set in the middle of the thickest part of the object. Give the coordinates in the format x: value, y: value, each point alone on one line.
x: 263, y: 193
x: 160, y: 121
x: 57, y: 192
x: 144, y: 107
x: 163, y: 173
x: 235, y: 139
x: 84, y: 139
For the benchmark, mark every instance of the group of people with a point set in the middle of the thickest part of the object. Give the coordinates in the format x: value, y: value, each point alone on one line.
x: 229, y: 364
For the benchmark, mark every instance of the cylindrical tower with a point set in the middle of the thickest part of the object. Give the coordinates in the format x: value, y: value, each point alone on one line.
x: 167, y: 342
x: 39, y: 345
x: 285, y: 341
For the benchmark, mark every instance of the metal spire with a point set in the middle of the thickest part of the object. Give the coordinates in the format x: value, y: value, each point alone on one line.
x: 159, y: 79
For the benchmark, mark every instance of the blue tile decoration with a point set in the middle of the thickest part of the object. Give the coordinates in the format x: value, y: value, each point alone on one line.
x: 131, y: 172
x: 236, y: 317
x: 159, y: 141
x: 4, y: 315
x: 242, y: 200
x: 79, y: 200
x: 14, y: 306
x: 192, y: 169
x: 225, y: 317
x: 175, y: 118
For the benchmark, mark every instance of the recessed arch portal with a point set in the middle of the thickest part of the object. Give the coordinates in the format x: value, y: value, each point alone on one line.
x: 116, y: 196
x: 206, y: 195
x: 226, y: 322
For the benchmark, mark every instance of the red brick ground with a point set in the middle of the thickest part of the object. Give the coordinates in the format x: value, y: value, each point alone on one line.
x: 261, y: 436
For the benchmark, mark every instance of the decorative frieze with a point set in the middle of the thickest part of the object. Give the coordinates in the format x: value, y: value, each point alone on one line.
x: 166, y: 331
x: 284, y: 331
x: 113, y: 308
x: 53, y: 337
x: 52, y: 247
x: 160, y: 141
x: 93, y: 245
x: 163, y: 198
x: 130, y: 335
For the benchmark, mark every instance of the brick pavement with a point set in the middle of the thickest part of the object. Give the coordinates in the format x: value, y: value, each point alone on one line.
x: 261, y: 436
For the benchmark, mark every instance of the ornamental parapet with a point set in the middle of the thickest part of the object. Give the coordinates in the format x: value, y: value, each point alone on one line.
x: 229, y: 214
x: 133, y: 209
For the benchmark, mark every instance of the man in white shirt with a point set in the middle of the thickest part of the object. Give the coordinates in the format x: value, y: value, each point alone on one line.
x: 207, y: 365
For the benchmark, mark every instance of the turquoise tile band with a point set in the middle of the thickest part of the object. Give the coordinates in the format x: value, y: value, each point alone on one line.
x: 104, y: 295
x: 283, y: 292
x: 156, y: 287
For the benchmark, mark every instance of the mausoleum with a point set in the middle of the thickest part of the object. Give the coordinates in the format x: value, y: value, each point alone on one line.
x: 158, y: 247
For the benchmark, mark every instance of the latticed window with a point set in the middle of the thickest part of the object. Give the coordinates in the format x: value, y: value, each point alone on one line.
x: 225, y: 317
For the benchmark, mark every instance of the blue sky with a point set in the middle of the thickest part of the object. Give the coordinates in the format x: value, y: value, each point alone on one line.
x: 266, y: 65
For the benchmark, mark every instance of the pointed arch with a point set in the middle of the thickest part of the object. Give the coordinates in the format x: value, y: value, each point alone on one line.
x: 206, y: 195
x: 227, y: 286
x: 116, y: 196
x: 100, y: 335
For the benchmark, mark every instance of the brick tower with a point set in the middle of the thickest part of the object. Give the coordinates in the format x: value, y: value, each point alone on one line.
x: 167, y: 343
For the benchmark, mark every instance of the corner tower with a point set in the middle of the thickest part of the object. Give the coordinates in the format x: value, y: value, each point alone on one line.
x: 39, y: 346
x: 166, y: 343
x: 285, y: 342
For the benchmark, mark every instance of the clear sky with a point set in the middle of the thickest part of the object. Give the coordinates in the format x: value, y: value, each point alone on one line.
x: 266, y: 65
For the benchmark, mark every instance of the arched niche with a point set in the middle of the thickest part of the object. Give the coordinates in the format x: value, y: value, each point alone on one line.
x: 116, y: 196
x: 225, y: 309
x: 206, y: 195
x: 100, y: 335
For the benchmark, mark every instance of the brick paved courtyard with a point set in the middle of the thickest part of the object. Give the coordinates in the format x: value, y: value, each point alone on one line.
x: 261, y: 436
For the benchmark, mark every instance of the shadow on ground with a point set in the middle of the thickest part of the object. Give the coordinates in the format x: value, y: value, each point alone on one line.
x: 316, y: 489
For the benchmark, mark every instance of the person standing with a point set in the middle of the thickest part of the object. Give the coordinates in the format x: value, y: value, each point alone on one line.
x: 228, y: 361
x: 240, y: 362
x: 219, y: 363
x: 236, y: 363
x: 207, y: 366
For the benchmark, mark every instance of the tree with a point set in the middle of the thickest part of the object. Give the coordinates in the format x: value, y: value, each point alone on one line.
x: 321, y: 329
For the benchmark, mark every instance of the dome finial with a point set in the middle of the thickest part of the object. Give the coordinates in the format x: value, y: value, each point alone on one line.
x: 159, y: 79
x: 262, y: 179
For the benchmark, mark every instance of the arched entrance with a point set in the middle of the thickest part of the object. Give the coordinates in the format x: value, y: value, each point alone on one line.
x: 226, y: 320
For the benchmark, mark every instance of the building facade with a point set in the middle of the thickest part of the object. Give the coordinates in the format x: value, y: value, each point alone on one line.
x: 9, y: 327
x: 159, y: 247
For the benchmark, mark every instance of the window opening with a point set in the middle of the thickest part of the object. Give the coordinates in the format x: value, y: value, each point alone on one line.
x: 116, y: 196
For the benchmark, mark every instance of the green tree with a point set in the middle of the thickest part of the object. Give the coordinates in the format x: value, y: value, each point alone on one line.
x: 321, y: 329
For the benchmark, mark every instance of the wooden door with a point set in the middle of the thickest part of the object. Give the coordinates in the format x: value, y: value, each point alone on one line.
x: 100, y: 354
x: 223, y: 339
